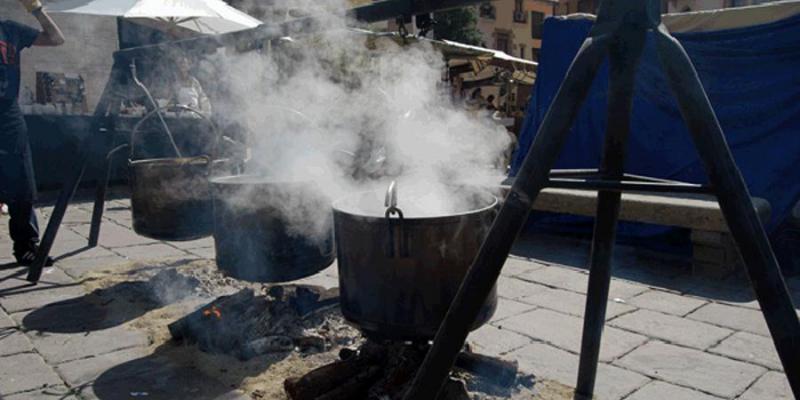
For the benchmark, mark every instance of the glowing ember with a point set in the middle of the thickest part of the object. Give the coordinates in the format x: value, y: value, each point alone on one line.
x: 212, y: 311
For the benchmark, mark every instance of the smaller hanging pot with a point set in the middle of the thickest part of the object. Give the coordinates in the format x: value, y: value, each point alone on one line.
x: 171, y: 197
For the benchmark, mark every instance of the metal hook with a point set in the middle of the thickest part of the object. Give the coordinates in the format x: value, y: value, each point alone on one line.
x: 391, y: 196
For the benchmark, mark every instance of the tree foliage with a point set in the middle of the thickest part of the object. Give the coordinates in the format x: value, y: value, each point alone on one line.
x: 459, y: 25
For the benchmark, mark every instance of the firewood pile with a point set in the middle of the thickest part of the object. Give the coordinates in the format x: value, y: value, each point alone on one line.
x: 384, y: 371
x: 287, y: 318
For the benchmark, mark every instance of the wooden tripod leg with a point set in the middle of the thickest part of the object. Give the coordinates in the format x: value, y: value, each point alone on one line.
x: 100, y: 195
x: 736, y: 204
x: 624, y: 54
x: 533, y: 176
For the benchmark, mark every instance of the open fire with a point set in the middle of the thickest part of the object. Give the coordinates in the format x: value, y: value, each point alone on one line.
x: 246, y: 325
x: 272, y: 341
x: 306, y: 319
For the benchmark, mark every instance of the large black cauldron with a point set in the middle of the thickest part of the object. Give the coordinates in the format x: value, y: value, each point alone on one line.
x: 398, y: 273
x: 259, y: 233
x: 170, y: 197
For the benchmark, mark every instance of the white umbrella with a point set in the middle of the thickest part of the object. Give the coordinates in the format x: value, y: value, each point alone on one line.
x: 227, y: 19
x: 203, y: 16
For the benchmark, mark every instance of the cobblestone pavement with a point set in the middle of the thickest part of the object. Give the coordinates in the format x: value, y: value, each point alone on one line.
x: 669, y: 335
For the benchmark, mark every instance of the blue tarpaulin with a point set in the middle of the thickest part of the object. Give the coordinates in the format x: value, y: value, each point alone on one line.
x: 752, y: 78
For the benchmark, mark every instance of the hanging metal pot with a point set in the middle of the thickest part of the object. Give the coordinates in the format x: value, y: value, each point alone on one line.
x: 170, y: 197
x: 399, y: 273
x: 254, y: 238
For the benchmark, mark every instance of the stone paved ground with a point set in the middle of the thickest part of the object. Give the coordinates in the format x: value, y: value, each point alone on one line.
x: 668, y: 336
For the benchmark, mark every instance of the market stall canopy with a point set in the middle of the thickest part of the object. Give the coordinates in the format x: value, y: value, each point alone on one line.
x: 200, y: 16
x: 523, y: 71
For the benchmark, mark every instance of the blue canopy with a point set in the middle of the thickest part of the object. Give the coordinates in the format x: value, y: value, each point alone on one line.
x: 751, y: 77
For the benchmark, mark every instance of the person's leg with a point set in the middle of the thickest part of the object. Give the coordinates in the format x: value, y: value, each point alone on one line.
x: 23, y: 226
x: 24, y: 230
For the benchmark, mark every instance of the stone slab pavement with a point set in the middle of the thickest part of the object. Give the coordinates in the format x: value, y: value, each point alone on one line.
x: 669, y: 335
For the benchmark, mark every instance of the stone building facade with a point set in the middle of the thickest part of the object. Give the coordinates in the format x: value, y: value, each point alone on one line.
x: 90, y: 43
x: 667, y: 6
x: 514, y: 26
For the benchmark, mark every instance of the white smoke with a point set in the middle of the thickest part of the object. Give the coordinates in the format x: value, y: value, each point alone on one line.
x: 313, y: 107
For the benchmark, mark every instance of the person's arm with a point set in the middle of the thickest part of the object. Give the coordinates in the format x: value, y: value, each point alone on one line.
x: 50, y: 35
x: 203, y: 102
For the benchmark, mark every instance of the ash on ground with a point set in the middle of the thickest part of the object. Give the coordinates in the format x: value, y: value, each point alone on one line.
x: 288, y: 318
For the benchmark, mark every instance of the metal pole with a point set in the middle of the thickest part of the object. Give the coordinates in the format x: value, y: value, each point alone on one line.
x: 736, y: 204
x: 531, y: 179
x: 101, y: 186
x: 624, y: 54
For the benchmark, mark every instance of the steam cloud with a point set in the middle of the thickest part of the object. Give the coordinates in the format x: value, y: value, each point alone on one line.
x: 316, y: 108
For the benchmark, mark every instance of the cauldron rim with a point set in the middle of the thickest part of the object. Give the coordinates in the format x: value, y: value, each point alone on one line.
x: 169, y: 161
x: 253, y: 179
x: 339, y: 210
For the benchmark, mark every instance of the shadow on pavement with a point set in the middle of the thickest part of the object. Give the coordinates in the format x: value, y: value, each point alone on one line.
x: 175, y: 371
x: 100, y: 309
x: 10, y: 265
x: 15, y: 283
x: 156, y: 377
x: 112, y: 306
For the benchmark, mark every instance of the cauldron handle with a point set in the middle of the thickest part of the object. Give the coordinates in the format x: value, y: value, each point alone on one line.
x: 402, y: 243
x: 158, y: 111
x: 391, y: 196
x: 155, y: 107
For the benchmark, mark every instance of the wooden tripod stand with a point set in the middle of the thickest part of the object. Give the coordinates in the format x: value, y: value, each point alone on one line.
x: 619, y: 33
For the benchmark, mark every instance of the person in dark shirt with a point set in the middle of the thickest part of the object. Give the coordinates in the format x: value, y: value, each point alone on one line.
x: 17, y: 185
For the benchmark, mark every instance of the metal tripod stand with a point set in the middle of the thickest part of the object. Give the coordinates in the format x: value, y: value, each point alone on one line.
x: 619, y: 32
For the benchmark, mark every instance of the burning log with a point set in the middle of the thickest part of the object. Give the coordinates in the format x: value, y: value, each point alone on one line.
x: 355, y: 387
x: 356, y: 372
x: 207, y: 327
x: 400, y: 369
x: 325, y: 379
x: 384, y: 371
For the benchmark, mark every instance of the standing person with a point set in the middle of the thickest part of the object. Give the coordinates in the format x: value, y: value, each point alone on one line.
x: 187, y: 89
x: 17, y: 185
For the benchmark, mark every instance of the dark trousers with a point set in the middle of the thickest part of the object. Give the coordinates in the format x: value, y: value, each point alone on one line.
x: 17, y: 186
x: 23, y: 226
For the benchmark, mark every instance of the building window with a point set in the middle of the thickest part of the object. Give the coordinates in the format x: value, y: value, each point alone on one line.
x: 502, y: 42
x: 519, y: 12
x: 537, y: 22
x: 522, y: 51
x: 585, y: 6
x: 487, y: 10
x: 535, y: 54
